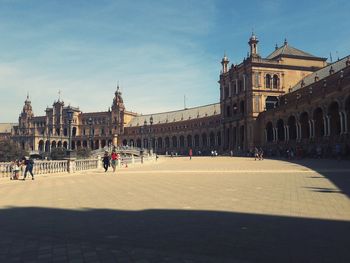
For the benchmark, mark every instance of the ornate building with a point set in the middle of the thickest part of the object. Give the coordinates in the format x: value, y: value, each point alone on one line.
x: 288, y: 98
x: 93, y: 129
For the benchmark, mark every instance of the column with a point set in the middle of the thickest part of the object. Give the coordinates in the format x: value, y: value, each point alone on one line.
x: 341, y: 116
x: 325, y: 126
x: 310, y: 129
x: 345, y: 122
x: 328, y: 125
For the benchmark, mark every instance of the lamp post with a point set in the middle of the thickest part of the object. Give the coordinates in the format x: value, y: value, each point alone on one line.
x: 151, y: 132
x: 70, y: 119
x: 90, y: 132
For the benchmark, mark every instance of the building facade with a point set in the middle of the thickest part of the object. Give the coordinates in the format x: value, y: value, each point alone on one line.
x: 288, y: 98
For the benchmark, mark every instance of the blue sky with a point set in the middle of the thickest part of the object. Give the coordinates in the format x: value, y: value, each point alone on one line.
x: 159, y: 51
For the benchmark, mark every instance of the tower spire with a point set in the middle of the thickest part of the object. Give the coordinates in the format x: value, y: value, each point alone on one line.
x: 253, y: 43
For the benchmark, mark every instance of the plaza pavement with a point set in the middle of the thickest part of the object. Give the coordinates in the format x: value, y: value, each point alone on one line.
x: 206, y: 209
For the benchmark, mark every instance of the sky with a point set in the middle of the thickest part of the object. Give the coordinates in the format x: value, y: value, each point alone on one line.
x: 158, y: 51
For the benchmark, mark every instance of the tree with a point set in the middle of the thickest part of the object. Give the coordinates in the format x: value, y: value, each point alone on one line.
x: 10, y: 151
x: 58, y: 153
x: 83, y: 153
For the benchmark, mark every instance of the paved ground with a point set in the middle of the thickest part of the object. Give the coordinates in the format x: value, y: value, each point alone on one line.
x: 176, y: 210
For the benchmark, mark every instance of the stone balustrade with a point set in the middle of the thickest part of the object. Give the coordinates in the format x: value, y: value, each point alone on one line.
x: 70, y: 166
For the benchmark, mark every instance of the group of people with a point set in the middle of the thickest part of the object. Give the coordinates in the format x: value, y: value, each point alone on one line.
x: 110, y: 160
x: 18, y: 165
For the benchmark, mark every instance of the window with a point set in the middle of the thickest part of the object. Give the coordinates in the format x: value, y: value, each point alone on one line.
x: 268, y: 81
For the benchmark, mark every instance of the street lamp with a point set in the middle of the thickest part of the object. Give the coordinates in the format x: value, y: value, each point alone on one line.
x: 70, y: 119
x: 150, y: 130
x: 90, y: 132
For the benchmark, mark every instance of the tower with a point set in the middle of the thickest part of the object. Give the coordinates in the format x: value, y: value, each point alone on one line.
x: 224, y: 63
x: 253, y: 43
x: 117, y: 112
x: 26, y: 114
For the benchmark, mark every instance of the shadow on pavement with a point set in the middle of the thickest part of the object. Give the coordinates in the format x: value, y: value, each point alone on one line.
x: 336, y: 171
x: 44, y: 234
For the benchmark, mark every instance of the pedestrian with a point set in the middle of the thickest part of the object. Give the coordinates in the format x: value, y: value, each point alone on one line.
x: 15, y: 168
x: 261, y: 154
x: 106, y: 161
x: 190, y: 153
x: 256, y: 153
x: 115, y: 159
x: 29, y: 163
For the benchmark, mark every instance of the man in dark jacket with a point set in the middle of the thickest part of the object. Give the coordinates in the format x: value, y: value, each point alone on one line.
x: 29, y: 163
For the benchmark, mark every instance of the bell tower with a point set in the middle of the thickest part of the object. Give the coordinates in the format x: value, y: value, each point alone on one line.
x: 253, y: 43
x: 117, y: 112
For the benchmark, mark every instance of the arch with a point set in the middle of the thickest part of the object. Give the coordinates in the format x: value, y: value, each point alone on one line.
x: 304, y: 125
x: 189, y: 140
x: 97, y: 144
x: 269, y: 131
x: 275, y: 82
x: 47, y: 146
x: 110, y: 142
x: 204, y: 140
x: 174, y: 142
x: 125, y: 142
x: 196, y: 140
x: 347, y: 110
x: 104, y: 143
x: 241, y: 107
x: 280, y: 130
x: 59, y: 144
x: 132, y: 143
x: 85, y: 144
x: 319, y: 123
x: 65, y: 145
x: 53, y: 144
x: 292, y: 126
x: 73, y: 145
x: 138, y: 143
x: 219, y: 138
x: 41, y: 146
x: 160, y: 142
x: 212, y: 139
x: 78, y: 144
x: 333, y: 112
x: 268, y: 81
x: 167, y: 142
x: 182, y: 141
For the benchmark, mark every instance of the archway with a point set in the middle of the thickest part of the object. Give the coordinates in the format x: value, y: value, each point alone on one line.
x: 78, y: 144
x: 167, y: 142
x: 268, y: 81
x: 304, y: 125
x: 204, y: 140
x: 319, y: 124
x: 125, y: 143
x: 138, y: 143
x: 333, y: 112
x: 275, y: 81
x: 160, y: 142
x: 189, y: 141
x: 174, y: 142
x: 65, y: 145
x: 73, y: 145
x: 280, y: 130
x: 196, y: 140
x: 212, y: 139
x: 47, y: 146
x: 269, y: 131
x: 292, y: 128
x: 41, y: 146
x: 103, y: 143
x: 85, y: 144
x: 131, y: 143
x: 59, y: 144
x: 182, y: 141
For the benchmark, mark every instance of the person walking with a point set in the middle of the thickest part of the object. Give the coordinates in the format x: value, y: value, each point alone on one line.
x: 106, y: 161
x: 190, y: 153
x: 114, y: 157
x: 256, y: 153
x: 29, y: 163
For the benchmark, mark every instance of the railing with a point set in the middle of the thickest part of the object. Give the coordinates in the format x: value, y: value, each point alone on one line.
x: 46, y: 167
x: 5, y: 169
x: 70, y: 166
x: 86, y: 164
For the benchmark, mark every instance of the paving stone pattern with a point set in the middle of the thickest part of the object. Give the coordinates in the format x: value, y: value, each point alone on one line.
x: 220, y: 209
